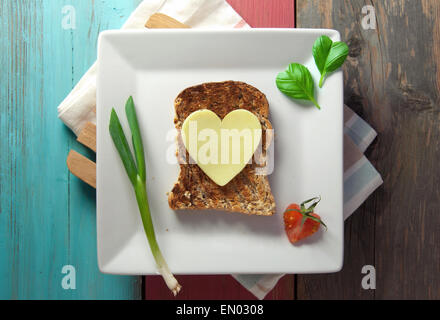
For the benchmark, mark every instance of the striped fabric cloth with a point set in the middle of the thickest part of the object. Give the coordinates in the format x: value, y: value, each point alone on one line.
x: 360, y: 177
x: 360, y: 180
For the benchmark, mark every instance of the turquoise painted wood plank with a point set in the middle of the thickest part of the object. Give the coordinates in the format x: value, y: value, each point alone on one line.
x: 47, y: 216
x: 92, y: 18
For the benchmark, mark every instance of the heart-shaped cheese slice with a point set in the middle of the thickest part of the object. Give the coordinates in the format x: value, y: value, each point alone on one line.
x: 221, y: 148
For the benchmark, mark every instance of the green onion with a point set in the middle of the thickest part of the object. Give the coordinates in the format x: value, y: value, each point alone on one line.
x: 137, y: 174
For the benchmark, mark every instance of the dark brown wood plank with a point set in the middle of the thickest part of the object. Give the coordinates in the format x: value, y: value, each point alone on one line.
x: 392, y: 80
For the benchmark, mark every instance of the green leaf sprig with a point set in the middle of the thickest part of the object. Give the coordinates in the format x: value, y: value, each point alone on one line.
x: 329, y: 56
x: 297, y: 82
x: 137, y: 174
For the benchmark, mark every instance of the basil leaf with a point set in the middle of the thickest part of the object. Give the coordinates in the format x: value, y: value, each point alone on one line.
x: 329, y: 56
x: 321, y: 49
x: 297, y: 82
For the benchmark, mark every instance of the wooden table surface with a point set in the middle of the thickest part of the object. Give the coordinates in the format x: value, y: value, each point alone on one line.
x: 47, y: 216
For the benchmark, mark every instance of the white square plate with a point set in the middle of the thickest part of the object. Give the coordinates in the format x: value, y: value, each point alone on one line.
x: 154, y: 66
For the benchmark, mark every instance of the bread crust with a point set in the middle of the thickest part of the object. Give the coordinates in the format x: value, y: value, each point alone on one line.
x: 248, y: 192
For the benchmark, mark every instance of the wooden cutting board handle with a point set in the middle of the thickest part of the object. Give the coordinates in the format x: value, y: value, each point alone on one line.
x: 82, y: 167
x: 79, y: 165
x: 87, y: 136
x: 162, y: 21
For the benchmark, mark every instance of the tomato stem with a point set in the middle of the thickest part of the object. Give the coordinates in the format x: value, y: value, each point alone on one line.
x: 307, y: 212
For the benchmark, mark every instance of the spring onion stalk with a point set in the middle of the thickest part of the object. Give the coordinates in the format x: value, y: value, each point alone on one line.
x: 137, y: 174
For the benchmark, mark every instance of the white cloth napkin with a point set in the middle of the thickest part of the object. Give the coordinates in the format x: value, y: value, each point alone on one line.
x: 360, y: 177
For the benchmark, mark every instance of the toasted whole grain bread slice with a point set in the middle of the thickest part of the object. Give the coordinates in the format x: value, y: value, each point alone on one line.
x: 248, y: 192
